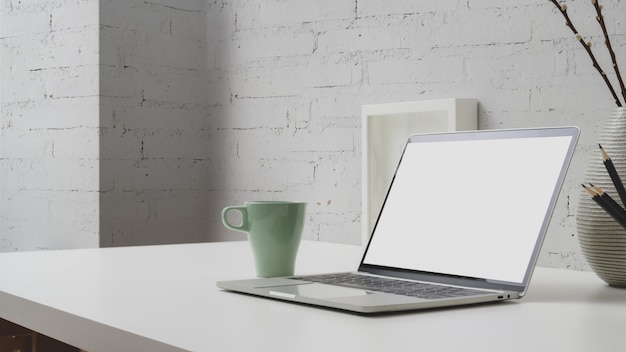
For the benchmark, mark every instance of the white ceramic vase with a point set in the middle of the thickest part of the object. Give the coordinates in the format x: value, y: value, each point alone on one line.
x: 602, y: 239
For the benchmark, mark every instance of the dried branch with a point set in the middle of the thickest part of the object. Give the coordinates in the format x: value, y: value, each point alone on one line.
x: 587, y: 46
x: 600, y: 20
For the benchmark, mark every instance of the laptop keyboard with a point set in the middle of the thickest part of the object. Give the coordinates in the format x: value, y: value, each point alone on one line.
x: 386, y: 285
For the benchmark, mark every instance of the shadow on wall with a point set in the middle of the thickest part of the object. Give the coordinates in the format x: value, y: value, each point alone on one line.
x: 157, y: 147
x: 222, y: 144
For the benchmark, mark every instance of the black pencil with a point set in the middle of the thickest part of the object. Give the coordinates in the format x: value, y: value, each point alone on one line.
x: 608, y: 204
x: 617, y: 181
x: 610, y: 201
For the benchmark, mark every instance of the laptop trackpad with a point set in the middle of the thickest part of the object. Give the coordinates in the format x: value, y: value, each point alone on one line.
x: 314, y: 290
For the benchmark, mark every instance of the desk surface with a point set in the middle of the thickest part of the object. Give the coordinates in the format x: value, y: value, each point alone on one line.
x: 164, y: 298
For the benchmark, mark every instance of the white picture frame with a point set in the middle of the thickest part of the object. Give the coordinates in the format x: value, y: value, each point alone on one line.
x: 385, y: 129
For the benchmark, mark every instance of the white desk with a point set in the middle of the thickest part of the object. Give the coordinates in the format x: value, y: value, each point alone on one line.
x: 163, y: 298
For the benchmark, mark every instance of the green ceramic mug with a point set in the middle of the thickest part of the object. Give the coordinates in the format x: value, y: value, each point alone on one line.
x: 274, y: 231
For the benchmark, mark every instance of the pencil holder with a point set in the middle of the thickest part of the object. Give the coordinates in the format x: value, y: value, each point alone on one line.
x: 602, y: 239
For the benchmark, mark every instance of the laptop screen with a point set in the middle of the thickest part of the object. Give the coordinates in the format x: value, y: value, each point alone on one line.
x: 473, y: 204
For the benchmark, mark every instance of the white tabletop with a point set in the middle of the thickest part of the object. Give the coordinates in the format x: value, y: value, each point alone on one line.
x: 164, y: 298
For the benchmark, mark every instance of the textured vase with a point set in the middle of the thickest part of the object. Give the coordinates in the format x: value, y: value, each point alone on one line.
x: 602, y: 239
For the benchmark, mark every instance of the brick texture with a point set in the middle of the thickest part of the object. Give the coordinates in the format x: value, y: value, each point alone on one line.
x: 186, y: 107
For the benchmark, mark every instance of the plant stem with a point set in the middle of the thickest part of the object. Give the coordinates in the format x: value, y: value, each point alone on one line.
x: 569, y: 23
x: 600, y: 19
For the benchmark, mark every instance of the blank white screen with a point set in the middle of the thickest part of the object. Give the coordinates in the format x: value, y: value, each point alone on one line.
x: 468, y: 208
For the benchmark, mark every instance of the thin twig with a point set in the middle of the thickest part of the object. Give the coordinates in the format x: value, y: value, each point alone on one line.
x: 568, y: 22
x: 600, y: 20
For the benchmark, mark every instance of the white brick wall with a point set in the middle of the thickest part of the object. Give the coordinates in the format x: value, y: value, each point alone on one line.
x: 209, y: 103
x: 154, y: 142
x: 289, y: 78
x: 49, y: 125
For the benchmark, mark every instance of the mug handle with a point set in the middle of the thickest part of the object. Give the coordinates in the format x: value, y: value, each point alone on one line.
x: 244, y: 219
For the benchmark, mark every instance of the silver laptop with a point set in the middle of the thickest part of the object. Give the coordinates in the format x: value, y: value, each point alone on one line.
x: 462, y: 223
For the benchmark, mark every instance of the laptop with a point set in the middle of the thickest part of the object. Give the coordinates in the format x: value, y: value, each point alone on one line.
x: 462, y: 223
